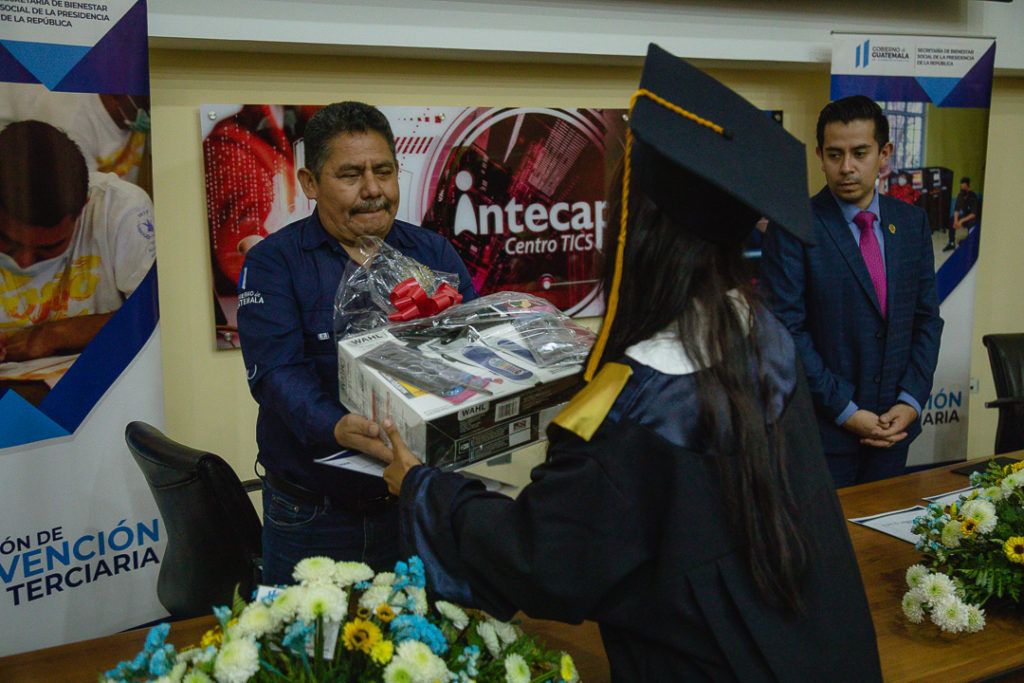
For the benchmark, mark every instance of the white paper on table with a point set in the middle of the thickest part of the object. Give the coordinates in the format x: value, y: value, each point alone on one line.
x: 896, y: 523
x: 945, y: 499
x: 364, y: 464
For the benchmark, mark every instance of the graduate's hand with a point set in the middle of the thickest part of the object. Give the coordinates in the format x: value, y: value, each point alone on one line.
x: 358, y: 433
x: 401, y: 461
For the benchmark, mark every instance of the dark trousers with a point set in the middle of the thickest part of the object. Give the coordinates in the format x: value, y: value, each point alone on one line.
x: 866, y: 464
x: 294, y: 530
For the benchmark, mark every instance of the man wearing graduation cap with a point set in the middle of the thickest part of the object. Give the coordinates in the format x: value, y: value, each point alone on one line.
x: 861, y: 304
x: 685, y: 504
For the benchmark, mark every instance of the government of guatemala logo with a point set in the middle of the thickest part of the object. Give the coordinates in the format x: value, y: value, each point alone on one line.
x: 863, y: 54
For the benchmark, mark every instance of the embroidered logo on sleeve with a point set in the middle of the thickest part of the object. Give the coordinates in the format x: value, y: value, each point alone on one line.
x: 250, y: 296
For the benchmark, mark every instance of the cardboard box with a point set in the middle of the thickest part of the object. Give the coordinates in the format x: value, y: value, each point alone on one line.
x: 452, y: 435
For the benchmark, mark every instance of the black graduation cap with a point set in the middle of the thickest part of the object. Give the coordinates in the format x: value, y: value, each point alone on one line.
x: 710, y: 160
x: 700, y: 148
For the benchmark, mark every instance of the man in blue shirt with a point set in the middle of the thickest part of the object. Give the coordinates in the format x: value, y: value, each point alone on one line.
x: 861, y: 303
x: 285, y: 323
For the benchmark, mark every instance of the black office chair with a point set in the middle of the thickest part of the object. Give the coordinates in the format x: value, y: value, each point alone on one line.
x: 212, y: 529
x: 1006, y: 356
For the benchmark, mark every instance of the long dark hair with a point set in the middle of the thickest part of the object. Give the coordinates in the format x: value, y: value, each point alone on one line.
x: 671, y: 278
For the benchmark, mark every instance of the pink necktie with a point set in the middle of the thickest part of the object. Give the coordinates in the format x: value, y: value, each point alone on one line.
x: 872, y: 254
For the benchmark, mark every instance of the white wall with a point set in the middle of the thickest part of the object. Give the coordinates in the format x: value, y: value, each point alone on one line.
x: 787, y: 31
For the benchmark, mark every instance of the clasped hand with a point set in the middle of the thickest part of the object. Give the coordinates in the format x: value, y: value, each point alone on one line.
x: 882, y: 431
x: 358, y: 433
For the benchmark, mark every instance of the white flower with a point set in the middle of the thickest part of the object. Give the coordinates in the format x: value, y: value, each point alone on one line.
x: 286, y: 605
x: 419, y: 597
x: 384, y: 579
x: 1012, y: 481
x: 196, y: 676
x: 347, y: 573
x: 983, y: 512
x: 913, y: 607
x: 374, y: 596
x: 951, y: 534
x: 398, y: 671
x: 993, y: 493
x: 950, y: 614
x: 255, y: 621
x: 975, y: 618
x: 323, y: 600
x: 177, y: 672
x: 452, y: 613
x: 237, y: 661
x: 936, y: 587
x: 315, y: 570
x: 516, y: 669
x: 486, y: 631
x: 507, y: 632
x: 425, y: 666
x: 916, y: 574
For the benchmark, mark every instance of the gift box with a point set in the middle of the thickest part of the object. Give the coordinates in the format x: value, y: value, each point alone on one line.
x: 459, y: 395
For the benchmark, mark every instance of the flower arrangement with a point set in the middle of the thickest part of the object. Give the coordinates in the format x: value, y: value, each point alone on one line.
x: 343, y: 623
x: 974, y: 551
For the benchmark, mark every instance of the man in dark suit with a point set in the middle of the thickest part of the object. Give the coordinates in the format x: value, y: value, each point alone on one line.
x: 861, y: 303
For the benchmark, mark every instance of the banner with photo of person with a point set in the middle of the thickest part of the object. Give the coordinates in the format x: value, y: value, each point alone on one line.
x: 935, y: 91
x: 518, y: 191
x: 80, y: 535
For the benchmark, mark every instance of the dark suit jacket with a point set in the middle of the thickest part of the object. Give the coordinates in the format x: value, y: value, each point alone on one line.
x: 823, y: 294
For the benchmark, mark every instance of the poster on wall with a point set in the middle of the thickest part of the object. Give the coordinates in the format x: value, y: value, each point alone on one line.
x: 518, y: 191
x: 935, y: 92
x: 80, y: 536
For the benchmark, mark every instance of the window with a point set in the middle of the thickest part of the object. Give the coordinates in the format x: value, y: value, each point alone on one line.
x: 906, y: 130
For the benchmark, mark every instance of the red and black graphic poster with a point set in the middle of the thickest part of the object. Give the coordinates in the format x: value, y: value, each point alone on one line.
x: 519, y: 192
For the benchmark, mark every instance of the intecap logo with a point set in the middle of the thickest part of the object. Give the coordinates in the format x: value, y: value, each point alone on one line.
x: 515, y: 218
x: 863, y: 54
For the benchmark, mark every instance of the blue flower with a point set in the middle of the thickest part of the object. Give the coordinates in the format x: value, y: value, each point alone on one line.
x: 158, y: 664
x: 295, y: 636
x: 469, y: 657
x: 416, y: 627
x: 363, y: 585
x: 156, y: 636
x: 223, y: 614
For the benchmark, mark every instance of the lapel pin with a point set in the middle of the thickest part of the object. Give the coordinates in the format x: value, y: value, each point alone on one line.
x: 892, y: 228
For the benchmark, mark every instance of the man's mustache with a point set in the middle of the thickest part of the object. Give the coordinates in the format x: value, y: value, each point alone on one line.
x: 371, y: 205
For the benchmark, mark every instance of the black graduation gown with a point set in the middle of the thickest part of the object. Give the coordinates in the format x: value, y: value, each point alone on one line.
x: 627, y: 529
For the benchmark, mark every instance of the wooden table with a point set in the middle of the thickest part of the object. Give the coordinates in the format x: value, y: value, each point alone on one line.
x: 920, y: 652
x: 908, y: 652
x: 83, y: 661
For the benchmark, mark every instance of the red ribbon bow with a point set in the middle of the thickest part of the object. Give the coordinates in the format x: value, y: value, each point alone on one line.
x: 412, y: 302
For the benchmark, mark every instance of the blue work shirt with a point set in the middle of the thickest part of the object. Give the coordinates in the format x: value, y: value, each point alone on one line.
x: 285, y: 323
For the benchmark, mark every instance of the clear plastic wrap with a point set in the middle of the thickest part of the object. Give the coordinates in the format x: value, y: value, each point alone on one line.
x: 389, y: 286
x: 514, y: 326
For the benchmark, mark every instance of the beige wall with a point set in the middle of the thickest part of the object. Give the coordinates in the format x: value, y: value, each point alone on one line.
x: 207, y: 402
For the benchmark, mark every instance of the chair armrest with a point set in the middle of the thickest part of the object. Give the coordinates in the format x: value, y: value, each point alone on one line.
x: 251, y: 485
x: 1005, y: 401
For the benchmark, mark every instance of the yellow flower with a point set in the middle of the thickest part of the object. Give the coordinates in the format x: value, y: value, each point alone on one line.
x: 1017, y: 466
x: 1014, y: 549
x: 968, y: 526
x: 360, y: 634
x: 212, y: 637
x: 381, y: 652
x: 384, y: 612
x: 363, y: 613
x: 568, y: 668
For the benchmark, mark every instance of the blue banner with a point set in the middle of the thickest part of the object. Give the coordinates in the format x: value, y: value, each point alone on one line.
x: 935, y: 91
x: 79, y: 344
